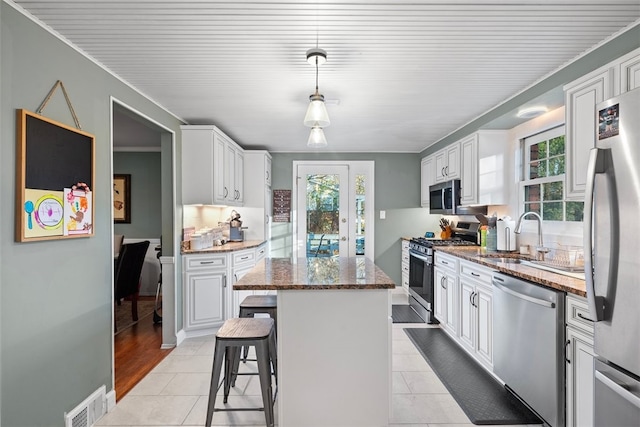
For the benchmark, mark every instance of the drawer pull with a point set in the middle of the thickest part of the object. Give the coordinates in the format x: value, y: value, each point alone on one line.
x: 475, y: 274
x: 245, y: 257
x: 580, y: 315
x: 206, y: 262
x: 444, y: 262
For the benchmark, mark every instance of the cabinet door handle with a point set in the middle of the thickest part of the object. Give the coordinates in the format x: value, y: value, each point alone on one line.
x: 442, y: 279
x: 443, y: 174
x: 224, y: 281
x: 267, y: 172
x: 266, y: 219
x: 226, y: 192
x: 475, y: 274
x: 471, y: 299
x: 580, y: 315
x: 235, y: 276
x: 565, y: 351
x: 475, y: 300
x: 446, y: 168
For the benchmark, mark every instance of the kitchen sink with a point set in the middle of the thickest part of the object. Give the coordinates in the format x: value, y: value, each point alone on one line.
x: 506, y: 260
x: 577, y: 274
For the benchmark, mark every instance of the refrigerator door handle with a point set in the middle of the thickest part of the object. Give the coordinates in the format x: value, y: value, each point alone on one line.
x: 618, y: 389
x: 596, y: 165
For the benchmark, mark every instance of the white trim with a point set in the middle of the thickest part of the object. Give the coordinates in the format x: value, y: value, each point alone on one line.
x: 63, y: 39
x: 180, y: 337
x: 169, y: 276
x: 111, y: 400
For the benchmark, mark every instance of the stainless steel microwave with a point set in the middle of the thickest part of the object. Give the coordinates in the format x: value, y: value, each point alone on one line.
x: 444, y: 197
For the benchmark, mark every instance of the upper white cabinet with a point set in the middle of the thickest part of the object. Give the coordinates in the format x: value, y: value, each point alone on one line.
x: 581, y: 97
x: 212, y: 167
x: 447, y: 163
x: 427, y: 178
x: 484, y: 170
x: 258, y: 194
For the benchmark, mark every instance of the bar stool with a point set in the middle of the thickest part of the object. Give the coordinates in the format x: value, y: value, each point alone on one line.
x: 234, y: 334
x: 253, y: 304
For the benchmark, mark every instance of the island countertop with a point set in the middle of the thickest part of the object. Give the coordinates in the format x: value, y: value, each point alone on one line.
x: 314, y: 274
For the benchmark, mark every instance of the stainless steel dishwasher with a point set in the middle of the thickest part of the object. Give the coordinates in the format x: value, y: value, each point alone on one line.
x: 528, y: 344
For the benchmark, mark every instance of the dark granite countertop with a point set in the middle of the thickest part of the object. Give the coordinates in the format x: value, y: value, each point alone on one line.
x: 532, y: 274
x: 314, y: 274
x: 227, y: 247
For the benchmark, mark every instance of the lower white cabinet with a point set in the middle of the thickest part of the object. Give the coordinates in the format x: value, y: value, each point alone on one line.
x: 208, y: 293
x: 579, y: 363
x: 476, y: 311
x: 404, y: 265
x: 446, y: 291
x: 205, y: 283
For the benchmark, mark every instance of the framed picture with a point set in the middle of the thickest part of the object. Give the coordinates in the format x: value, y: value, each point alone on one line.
x: 122, y: 198
x: 54, y: 178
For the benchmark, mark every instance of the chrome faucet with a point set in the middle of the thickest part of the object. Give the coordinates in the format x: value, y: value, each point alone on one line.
x: 540, y: 249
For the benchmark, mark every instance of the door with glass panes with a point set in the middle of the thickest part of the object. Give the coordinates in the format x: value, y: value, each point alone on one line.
x: 332, y: 210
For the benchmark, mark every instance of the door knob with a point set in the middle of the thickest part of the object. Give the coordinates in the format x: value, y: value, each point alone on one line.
x: 344, y: 219
x: 344, y: 239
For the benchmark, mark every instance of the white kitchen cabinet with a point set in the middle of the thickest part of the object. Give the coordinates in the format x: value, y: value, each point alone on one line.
x: 205, y: 291
x: 476, y: 311
x: 579, y: 363
x: 446, y: 292
x: 629, y: 70
x: 404, y: 265
x: 212, y: 167
x: 484, y: 168
x: 258, y: 195
x: 427, y: 178
x: 581, y: 97
x: 447, y: 163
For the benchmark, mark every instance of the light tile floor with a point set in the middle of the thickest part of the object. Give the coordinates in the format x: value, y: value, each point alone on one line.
x: 175, y: 393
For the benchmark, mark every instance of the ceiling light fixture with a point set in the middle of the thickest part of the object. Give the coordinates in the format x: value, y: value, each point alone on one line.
x: 317, y: 112
x: 317, y: 138
x: 529, y: 113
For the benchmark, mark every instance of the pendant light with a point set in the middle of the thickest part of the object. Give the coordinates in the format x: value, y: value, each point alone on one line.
x: 317, y: 138
x: 317, y: 112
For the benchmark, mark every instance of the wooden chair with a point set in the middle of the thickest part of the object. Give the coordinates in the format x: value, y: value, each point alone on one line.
x: 128, y: 271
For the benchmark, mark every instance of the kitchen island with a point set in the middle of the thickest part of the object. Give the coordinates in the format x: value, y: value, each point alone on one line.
x: 334, y: 339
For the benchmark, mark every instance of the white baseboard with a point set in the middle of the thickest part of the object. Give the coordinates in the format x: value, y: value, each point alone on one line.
x: 111, y: 400
x: 180, y: 336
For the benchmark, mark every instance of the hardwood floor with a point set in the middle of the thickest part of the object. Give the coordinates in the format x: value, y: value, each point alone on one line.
x: 137, y: 351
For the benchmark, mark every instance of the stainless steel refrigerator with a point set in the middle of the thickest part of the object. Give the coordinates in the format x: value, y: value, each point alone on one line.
x: 612, y: 230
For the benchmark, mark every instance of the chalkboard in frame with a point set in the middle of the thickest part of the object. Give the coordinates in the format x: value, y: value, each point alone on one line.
x: 55, y: 172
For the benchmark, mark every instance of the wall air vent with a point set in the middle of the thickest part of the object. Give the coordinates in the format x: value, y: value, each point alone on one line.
x: 89, y: 411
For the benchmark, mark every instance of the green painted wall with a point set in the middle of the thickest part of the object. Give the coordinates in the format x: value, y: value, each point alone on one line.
x: 397, y: 191
x: 144, y: 168
x: 55, y: 305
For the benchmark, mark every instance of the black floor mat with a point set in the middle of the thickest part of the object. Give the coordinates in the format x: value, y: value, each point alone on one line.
x: 481, y: 397
x: 403, y: 313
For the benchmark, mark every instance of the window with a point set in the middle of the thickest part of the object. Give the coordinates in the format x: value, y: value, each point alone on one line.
x: 542, y: 188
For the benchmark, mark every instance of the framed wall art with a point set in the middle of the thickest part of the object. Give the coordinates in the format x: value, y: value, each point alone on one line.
x: 122, y: 198
x: 55, y: 171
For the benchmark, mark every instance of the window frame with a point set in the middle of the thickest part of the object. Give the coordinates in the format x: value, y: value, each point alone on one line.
x: 525, y: 144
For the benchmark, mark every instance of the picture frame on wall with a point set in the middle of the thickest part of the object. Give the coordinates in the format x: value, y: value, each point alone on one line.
x: 122, y: 198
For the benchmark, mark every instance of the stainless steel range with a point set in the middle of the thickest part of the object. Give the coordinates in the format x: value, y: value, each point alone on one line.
x: 421, y: 266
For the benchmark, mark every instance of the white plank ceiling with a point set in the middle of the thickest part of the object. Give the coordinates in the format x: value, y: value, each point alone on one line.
x: 399, y: 75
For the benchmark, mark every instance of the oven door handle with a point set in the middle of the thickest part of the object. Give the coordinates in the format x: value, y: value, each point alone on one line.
x: 420, y: 257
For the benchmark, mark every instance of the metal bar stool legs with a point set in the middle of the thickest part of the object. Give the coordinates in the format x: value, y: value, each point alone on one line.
x: 231, y: 337
x: 263, y: 304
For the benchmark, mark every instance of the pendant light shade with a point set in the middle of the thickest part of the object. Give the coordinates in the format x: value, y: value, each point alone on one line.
x: 317, y: 115
x: 316, y: 138
x: 316, y: 112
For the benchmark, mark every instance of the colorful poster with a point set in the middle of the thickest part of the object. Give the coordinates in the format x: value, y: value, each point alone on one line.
x: 77, y: 211
x: 43, y: 213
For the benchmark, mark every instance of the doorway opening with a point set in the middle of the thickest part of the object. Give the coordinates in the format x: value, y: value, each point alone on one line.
x: 334, y: 208
x: 142, y: 149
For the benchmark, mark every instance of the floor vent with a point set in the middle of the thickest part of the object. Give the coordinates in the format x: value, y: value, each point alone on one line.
x: 89, y: 411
